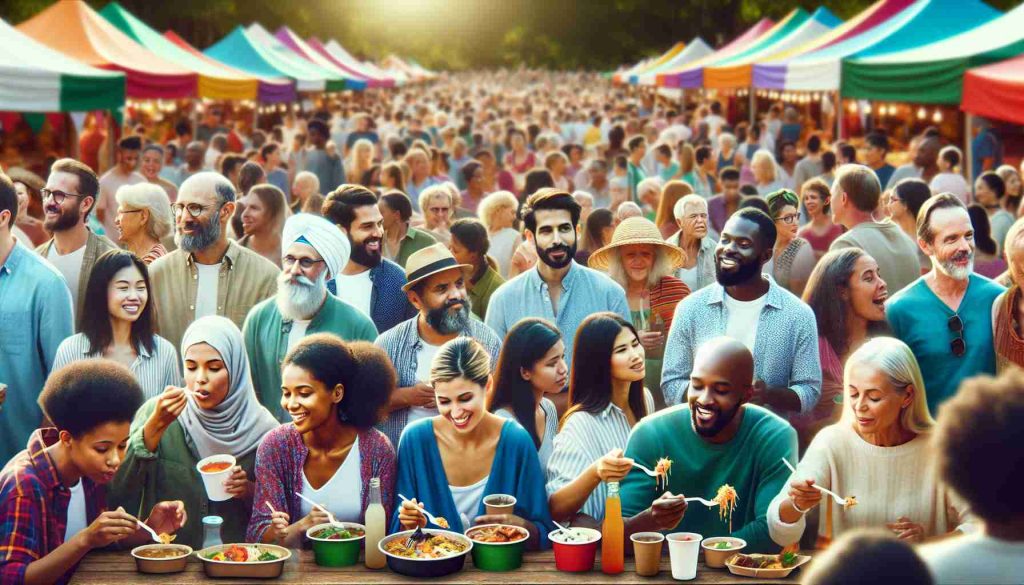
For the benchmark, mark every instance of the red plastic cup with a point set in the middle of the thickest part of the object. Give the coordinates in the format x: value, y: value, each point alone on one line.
x: 575, y: 557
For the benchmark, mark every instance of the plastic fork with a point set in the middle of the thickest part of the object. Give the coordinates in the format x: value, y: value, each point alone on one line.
x: 330, y: 517
x: 144, y: 526
x: 708, y: 503
x: 645, y: 470
x: 839, y: 499
x: 433, y: 520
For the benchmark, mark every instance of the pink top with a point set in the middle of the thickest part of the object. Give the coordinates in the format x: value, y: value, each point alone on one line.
x: 818, y: 243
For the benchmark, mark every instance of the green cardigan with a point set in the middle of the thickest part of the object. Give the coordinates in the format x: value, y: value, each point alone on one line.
x: 146, y: 478
x: 480, y: 294
x: 266, y: 341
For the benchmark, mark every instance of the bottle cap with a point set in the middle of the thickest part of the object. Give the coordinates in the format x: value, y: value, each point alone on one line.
x: 213, y: 520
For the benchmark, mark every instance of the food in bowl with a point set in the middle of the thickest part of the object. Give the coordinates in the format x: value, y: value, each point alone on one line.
x: 719, y: 549
x: 161, y: 558
x: 244, y: 560
x: 242, y: 554
x: 215, y: 467
x: 341, y: 532
x: 434, y: 546
x: 163, y: 552
x: 575, y: 536
x: 496, y: 534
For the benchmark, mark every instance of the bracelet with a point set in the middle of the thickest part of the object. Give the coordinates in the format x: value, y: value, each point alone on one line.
x: 797, y: 508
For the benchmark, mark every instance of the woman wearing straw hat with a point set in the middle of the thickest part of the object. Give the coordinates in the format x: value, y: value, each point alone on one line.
x: 643, y: 263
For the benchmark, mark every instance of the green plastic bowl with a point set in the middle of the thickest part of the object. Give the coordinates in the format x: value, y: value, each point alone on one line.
x: 498, y: 556
x: 336, y: 553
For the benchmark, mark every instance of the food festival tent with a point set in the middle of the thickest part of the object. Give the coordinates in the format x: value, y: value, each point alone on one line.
x: 36, y: 78
x: 693, y: 76
x: 343, y: 59
x: 933, y: 73
x: 333, y: 81
x: 648, y: 64
x: 920, y: 23
x: 697, y: 49
x: 216, y: 80
x: 238, y: 49
x: 669, y: 77
x: 735, y: 72
x: 302, y: 49
x: 996, y: 91
x: 75, y: 29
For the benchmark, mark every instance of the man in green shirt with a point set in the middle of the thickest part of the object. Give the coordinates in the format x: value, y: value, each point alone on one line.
x: 716, y: 438
x: 313, y: 250
x: 637, y: 146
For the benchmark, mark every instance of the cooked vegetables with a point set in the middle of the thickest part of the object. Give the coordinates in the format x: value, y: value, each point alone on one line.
x: 496, y: 534
x: 339, y: 533
x: 435, y: 546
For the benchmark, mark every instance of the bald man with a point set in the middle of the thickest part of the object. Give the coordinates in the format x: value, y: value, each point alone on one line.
x: 208, y: 274
x: 717, y: 437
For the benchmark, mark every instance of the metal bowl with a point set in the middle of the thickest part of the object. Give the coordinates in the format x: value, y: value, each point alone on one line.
x: 175, y: 564
x: 426, y: 567
x: 248, y: 569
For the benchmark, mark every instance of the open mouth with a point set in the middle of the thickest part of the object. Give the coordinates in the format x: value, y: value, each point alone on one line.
x: 373, y: 246
x: 201, y: 394
x: 879, y: 301
x: 728, y: 263
x: 638, y: 367
x: 299, y: 417
x: 132, y: 308
x: 460, y: 422
x: 704, y: 415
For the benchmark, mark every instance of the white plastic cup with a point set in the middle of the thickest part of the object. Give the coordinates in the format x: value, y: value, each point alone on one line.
x: 683, y: 549
x: 214, y: 481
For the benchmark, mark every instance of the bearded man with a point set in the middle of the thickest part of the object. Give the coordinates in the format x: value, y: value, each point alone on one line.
x: 945, y: 316
x: 208, y: 274
x: 312, y: 251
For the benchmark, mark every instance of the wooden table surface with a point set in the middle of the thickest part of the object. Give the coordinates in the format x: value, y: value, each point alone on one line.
x: 538, y: 567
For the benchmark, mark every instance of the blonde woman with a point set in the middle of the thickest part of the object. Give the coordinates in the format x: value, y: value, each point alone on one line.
x: 687, y: 160
x: 143, y: 219
x: 438, y: 207
x: 664, y: 216
x: 766, y: 173
x: 262, y: 220
x: 360, y: 159
x: 877, y: 452
x: 498, y: 214
x: 728, y: 156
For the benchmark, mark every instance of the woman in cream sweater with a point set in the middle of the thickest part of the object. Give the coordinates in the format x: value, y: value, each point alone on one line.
x: 877, y: 452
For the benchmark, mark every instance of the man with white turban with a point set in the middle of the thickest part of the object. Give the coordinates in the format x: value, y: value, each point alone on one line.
x: 313, y: 250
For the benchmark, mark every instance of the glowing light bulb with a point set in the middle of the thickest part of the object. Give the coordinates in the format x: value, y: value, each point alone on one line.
x: 937, y: 117
x: 921, y: 114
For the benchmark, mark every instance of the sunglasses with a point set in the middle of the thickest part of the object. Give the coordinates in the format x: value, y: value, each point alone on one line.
x: 958, y: 345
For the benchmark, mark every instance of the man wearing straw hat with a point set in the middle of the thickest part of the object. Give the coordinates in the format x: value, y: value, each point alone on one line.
x: 436, y: 286
x: 312, y: 252
x: 556, y: 289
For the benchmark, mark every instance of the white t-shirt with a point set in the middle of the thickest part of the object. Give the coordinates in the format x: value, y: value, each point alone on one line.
x: 338, y: 495
x: 467, y: 500
x: 77, y: 521
x: 356, y: 289
x: 297, y: 332
x: 742, y: 319
x: 975, y: 558
x: 206, y: 294
x: 70, y: 265
x: 424, y: 356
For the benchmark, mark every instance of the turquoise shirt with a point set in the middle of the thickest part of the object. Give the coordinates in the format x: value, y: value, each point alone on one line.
x: 634, y: 175
x: 670, y: 171
x: 751, y: 462
x: 920, y: 319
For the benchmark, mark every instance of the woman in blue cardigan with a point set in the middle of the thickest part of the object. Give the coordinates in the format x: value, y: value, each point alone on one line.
x: 450, y: 462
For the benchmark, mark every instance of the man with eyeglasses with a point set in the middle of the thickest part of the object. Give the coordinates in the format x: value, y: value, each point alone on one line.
x: 946, y: 315
x: 313, y: 251
x: 68, y: 197
x: 35, y: 317
x: 855, y: 196
x: 208, y: 274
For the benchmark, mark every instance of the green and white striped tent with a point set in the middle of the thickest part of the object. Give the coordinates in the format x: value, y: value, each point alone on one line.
x: 36, y: 78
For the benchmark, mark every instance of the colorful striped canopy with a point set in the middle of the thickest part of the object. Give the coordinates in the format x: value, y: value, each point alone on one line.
x: 36, y: 78
x: 697, y: 49
x: 75, y: 29
x: 302, y: 49
x: 670, y: 77
x: 343, y: 60
x: 648, y: 64
x: 333, y: 81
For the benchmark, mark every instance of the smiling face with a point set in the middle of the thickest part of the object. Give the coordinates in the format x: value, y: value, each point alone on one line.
x: 255, y: 215
x: 550, y: 373
x: 461, y: 403
x: 720, y: 384
x: 627, y: 357
x: 739, y: 255
x: 206, y: 375
x: 307, y: 400
x: 127, y: 294
x: 637, y: 260
x: 151, y: 165
x: 70, y: 212
x: 98, y: 453
x: 365, y: 234
x: 952, y: 245
x: 876, y: 403
x: 131, y: 223
x: 867, y: 290
x: 813, y: 203
x: 555, y: 237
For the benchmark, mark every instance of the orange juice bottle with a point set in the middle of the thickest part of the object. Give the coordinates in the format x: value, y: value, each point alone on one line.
x: 612, y: 532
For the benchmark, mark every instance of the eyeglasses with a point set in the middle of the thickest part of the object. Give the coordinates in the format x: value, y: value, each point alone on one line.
x: 193, y: 209
x: 304, y: 263
x: 790, y: 219
x: 124, y: 211
x: 958, y: 346
x: 57, y: 195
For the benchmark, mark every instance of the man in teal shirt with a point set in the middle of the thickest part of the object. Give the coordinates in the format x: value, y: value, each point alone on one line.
x: 717, y: 438
x: 637, y: 146
x: 945, y: 317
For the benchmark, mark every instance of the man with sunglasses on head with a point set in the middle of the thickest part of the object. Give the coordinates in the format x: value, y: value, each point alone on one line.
x: 208, y: 274
x: 68, y: 198
x: 946, y: 315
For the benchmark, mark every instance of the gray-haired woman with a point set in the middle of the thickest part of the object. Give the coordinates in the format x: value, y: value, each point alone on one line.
x: 143, y: 219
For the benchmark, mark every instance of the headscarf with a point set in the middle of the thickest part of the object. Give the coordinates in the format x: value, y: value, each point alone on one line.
x: 236, y: 425
x: 322, y: 235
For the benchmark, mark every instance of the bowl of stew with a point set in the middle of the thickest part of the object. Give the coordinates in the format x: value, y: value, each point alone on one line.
x: 161, y: 558
x: 336, y: 545
x: 498, y: 547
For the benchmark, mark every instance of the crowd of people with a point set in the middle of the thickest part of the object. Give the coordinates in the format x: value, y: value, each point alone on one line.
x: 517, y: 283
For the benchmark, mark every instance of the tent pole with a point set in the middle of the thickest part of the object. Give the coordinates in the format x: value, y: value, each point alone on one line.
x: 838, y: 109
x: 753, y: 106
x: 969, y: 147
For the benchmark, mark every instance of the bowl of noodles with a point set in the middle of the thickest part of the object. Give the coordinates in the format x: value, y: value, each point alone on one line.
x: 430, y: 553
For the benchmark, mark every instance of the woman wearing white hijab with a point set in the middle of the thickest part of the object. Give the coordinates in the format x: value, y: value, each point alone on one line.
x: 216, y: 413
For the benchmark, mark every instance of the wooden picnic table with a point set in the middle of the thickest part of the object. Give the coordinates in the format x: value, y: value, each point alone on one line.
x: 538, y: 567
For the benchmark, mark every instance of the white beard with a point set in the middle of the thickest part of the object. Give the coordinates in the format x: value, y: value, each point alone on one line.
x: 956, y: 272
x: 300, y: 300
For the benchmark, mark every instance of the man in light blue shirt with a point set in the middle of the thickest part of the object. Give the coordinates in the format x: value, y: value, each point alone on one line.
x: 777, y: 327
x: 35, y: 317
x: 556, y: 289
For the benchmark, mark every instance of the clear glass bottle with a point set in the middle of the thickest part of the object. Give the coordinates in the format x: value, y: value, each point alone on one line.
x: 211, y: 531
x: 376, y: 528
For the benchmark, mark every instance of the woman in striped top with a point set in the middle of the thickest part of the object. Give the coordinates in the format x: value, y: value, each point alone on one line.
x: 143, y: 220
x: 606, y: 399
x: 531, y: 364
x: 119, y: 282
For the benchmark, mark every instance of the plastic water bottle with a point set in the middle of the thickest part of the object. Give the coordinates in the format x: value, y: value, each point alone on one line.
x: 211, y: 531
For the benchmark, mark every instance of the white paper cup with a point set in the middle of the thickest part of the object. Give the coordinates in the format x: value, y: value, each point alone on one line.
x: 214, y: 481
x: 683, y: 554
